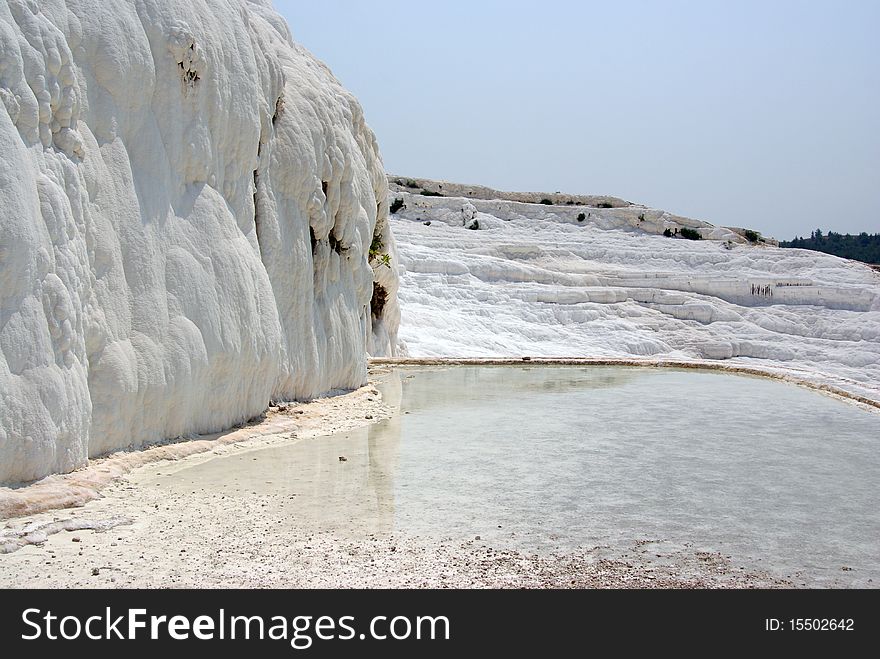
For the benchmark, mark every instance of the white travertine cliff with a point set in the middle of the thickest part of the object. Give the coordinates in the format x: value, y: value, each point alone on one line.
x: 500, y: 277
x: 188, y: 201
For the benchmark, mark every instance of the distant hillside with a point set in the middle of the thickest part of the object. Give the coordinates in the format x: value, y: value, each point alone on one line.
x: 863, y: 247
x: 431, y: 188
x: 602, y: 211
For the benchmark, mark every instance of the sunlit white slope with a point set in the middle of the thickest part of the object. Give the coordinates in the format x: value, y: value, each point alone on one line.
x: 535, y: 280
x: 187, y: 203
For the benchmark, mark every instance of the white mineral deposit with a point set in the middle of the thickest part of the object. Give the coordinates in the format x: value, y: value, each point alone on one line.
x: 230, y: 346
x: 485, y: 274
x: 187, y: 207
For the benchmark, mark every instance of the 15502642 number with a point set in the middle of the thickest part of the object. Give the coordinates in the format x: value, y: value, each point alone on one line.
x: 822, y: 624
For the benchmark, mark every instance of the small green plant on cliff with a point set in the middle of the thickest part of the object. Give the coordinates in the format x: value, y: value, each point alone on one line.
x: 751, y: 236
x: 546, y: 202
x: 690, y: 234
x: 377, y: 252
x: 429, y: 193
x: 581, y: 217
x: 605, y: 204
x: 396, y: 205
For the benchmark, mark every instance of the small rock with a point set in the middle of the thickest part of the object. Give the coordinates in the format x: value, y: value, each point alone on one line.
x: 75, y: 539
x: 368, y: 416
x: 342, y: 458
x: 476, y: 537
x: 427, y: 223
x: 96, y: 571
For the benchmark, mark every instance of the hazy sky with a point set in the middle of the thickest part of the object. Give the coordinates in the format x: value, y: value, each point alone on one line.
x: 758, y: 114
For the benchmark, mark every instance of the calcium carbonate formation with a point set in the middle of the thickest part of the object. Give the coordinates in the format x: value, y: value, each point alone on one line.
x: 488, y: 274
x: 193, y: 221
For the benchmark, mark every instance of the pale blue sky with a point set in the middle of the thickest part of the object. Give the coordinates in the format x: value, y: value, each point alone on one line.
x: 758, y: 114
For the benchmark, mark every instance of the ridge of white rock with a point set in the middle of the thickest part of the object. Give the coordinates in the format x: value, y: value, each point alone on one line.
x: 602, y: 211
x: 503, y: 278
x: 187, y: 205
x: 468, y: 191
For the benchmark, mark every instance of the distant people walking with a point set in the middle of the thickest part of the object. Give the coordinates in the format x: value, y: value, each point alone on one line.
x: 764, y: 290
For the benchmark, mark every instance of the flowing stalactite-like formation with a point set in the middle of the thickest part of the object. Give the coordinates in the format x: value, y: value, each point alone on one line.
x: 187, y: 204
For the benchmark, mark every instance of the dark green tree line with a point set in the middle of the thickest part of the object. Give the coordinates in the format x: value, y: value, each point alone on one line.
x: 862, y: 247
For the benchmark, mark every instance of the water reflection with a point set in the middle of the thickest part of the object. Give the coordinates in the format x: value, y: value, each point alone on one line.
x: 309, y: 480
x: 547, y: 458
x: 448, y: 385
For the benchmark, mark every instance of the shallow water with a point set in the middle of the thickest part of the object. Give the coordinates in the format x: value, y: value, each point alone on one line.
x: 540, y: 458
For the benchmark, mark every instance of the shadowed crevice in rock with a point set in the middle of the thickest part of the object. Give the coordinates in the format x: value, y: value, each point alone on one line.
x: 377, y: 303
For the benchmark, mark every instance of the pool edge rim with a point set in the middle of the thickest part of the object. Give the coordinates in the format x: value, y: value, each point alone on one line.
x: 695, y: 364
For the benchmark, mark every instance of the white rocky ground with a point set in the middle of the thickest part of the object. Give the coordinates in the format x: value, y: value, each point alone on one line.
x: 188, y: 201
x: 530, y: 279
x: 204, y: 541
